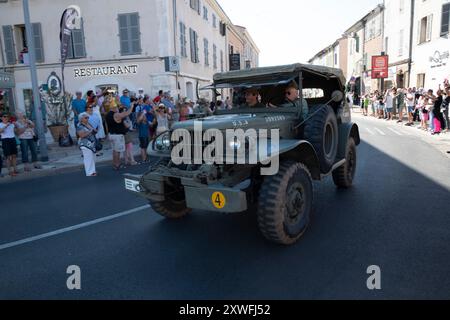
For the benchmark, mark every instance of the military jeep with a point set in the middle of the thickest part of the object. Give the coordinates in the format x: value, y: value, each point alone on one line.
x: 308, y: 148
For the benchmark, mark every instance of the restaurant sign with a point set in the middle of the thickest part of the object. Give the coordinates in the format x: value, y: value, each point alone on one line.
x: 439, y: 59
x: 118, y: 70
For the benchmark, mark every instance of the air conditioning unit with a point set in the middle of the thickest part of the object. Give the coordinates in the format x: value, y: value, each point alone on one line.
x: 172, y: 64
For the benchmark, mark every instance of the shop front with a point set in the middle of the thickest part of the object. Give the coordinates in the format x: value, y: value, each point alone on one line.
x: 431, y: 64
x: 7, y: 85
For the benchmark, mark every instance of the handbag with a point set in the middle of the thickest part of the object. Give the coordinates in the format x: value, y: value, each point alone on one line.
x: 98, y: 145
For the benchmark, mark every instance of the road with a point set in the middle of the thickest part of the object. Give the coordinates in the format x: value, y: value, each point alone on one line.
x: 397, y: 217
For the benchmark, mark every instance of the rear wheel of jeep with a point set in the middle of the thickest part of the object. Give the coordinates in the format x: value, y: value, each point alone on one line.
x: 285, y: 204
x: 322, y: 132
x: 173, y: 206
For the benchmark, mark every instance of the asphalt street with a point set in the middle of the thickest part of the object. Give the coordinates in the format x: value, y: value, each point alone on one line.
x: 397, y: 217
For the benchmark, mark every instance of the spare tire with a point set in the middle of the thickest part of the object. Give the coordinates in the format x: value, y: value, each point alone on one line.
x: 321, y: 130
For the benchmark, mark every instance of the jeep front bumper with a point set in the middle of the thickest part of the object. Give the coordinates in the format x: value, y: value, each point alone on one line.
x: 214, y: 197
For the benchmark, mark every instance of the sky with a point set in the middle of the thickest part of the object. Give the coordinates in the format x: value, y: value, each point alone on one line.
x: 290, y: 31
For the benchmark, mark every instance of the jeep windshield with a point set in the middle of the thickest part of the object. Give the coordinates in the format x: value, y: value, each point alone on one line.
x: 271, y: 83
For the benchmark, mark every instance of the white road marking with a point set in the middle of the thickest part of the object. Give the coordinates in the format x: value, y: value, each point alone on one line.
x: 72, y: 228
x: 396, y: 132
x: 405, y: 132
x: 380, y: 132
x: 370, y: 131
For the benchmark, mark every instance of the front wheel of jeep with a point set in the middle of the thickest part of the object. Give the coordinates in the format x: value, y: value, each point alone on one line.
x: 285, y: 204
x: 174, y: 204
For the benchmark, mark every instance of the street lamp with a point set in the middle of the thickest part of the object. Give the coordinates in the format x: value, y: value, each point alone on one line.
x: 34, y: 82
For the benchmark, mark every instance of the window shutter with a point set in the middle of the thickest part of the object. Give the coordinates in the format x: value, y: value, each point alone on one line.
x: 135, y: 33
x: 419, y: 31
x: 192, y: 44
x: 79, y: 48
x: 38, y: 43
x: 429, y: 27
x: 123, y: 34
x: 182, y: 39
x: 70, y: 48
x: 206, y: 51
x: 9, y: 44
x: 197, y: 59
x: 445, y: 19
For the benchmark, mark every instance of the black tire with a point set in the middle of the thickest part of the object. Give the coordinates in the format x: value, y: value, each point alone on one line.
x: 322, y: 132
x: 344, y: 175
x: 174, y: 205
x: 285, y: 204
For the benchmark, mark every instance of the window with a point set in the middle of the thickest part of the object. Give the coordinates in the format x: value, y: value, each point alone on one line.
x: 445, y: 19
x: 195, y: 5
x: 214, y: 56
x: 221, y: 61
x: 425, y: 29
x: 214, y: 21
x: 402, y: 6
x: 205, y: 13
x: 193, y: 37
x: 206, y: 51
x: 421, y: 80
x: 357, y: 43
x: 129, y: 33
x: 77, y: 47
x: 313, y: 93
x: 386, y: 45
x: 401, y: 38
x: 183, y: 40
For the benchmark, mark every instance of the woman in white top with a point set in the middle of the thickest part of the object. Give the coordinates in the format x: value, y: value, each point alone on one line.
x: 9, y: 144
x: 410, y: 104
x: 162, y: 119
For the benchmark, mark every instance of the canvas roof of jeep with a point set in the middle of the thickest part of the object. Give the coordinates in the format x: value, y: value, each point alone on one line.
x: 278, y: 75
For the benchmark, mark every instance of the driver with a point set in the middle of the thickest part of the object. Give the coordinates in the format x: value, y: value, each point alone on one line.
x: 251, y: 99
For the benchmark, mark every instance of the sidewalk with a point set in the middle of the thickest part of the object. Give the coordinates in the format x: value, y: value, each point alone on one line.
x: 62, y: 160
x: 441, y: 142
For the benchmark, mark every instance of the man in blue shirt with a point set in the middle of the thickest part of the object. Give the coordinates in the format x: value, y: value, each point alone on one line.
x: 78, y: 106
x: 125, y: 100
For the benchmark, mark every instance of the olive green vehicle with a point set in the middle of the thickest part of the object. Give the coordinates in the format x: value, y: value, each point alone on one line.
x: 310, y: 148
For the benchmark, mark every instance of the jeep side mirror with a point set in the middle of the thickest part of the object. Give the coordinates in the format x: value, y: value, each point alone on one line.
x: 337, y: 96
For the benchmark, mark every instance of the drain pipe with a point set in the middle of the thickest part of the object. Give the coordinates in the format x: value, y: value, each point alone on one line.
x: 411, y: 31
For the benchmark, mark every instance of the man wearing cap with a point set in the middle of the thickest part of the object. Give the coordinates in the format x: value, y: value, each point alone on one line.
x: 78, y: 106
x: 125, y: 100
x: 251, y: 99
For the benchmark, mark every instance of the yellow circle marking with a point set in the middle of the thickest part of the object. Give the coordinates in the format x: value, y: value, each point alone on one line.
x: 218, y: 200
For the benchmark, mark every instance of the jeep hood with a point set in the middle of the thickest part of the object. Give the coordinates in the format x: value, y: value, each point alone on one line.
x: 237, y: 121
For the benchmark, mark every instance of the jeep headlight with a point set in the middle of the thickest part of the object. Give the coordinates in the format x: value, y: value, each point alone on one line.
x: 162, y: 143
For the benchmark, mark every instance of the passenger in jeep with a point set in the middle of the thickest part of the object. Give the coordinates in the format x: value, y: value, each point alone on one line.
x: 292, y: 96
